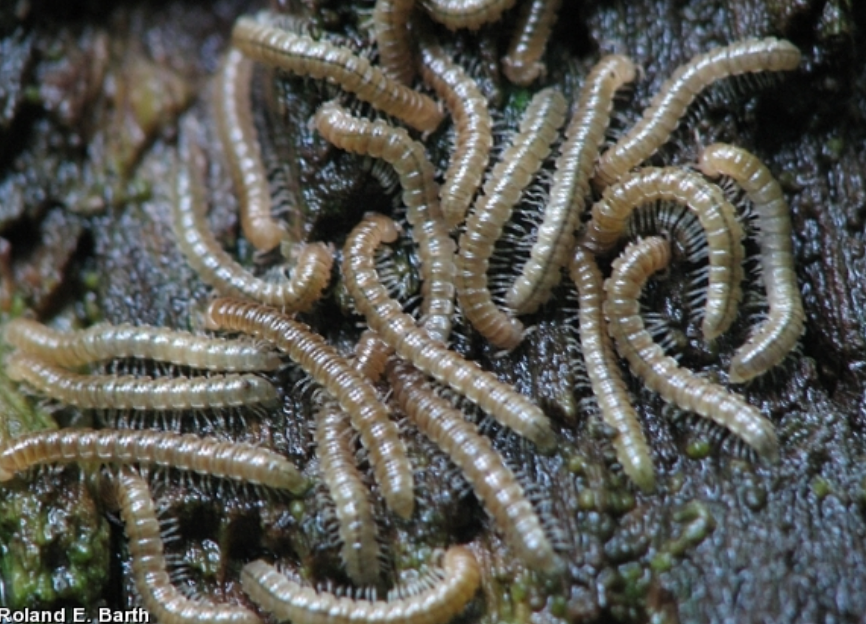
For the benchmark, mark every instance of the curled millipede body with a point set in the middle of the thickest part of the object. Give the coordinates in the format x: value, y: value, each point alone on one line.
x: 106, y: 342
x: 391, y: 20
x: 385, y: 316
x: 158, y: 595
x: 215, y: 267
x: 603, y: 371
x: 570, y: 187
x: 522, y: 63
x: 718, y: 217
x: 352, y: 391
x: 371, y: 355
x: 140, y: 393
x: 661, y: 373
x: 234, y: 122
x: 472, y: 121
x: 663, y: 114
x: 492, y: 480
x: 470, y: 14
x: 229, y: 460
x: 360, y: 550
x: 288, y: 600
x: 502, y: 189
x: 421, y: 196
x: 772, y: 341
x: 303, y: 56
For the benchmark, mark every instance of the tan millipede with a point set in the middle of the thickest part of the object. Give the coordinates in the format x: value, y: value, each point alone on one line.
x: 421, y: 196
x: 240, y: 144
x: 661, y: 373
x: 468, y: 107
x: 217, y: 268
x: 502, y: 189
x: 493, y: 482
x: 630, y: 443
x: 303, y: 56
x: 471, y: 14
x: 357, y: 526
x: 668, y: 106
x: 391, y: 21
x: 775, y: 338
x: 717, y: 216
x: 386, y: 317
x: 522, y: 63
x: 106, y: 342
x: 353, y: 392
x: 371, y: 355
x: 570, y: 187
x: 288, y: 600
x: 230, y: 460
x: 149, y: 570
x: 140, y: 393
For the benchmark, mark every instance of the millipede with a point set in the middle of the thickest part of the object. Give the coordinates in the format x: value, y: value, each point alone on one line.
x: 357, y: 526
x: 288, y: 600
x: 234, y: 123
x: 472, y: 122
x: 353, y: 392
x: 230, y: 460
x: 371, y: 355
x: 491, y: 479
x: 421, y: 196
x: 149, y: 569
x: 661, y: 373
x: 775, y: 338
x: 385, y: 316
x: 391, y: 22
x: 574, y: 165
x: 608, y: 386
x: 127, y: 392
x: 217, y: 268
x: 522, y: 63
x: 106, y: 342
x: 717, y: 216
x: 502, y: 189
x: 471, y: 14
x: 668, y: 106
x: 303, y: 56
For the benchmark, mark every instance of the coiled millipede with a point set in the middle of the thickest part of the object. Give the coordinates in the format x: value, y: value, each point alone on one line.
x: 668, y: 106
x: 288, y: 600
x: 661, y: 373
x: 107, y: 342
x: 421, y: 196
x: 230, y: 460
x: 723, y: 231
x: 771, y: 342
x: 470, y: 14
x: 352, y: 391
x: 385, y: 316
